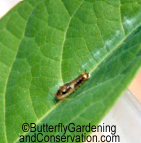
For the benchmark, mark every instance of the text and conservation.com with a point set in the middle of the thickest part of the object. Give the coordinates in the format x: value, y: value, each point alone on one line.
x: 50, y: 133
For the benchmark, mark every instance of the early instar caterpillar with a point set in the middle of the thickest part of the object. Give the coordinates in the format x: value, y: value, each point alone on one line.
x: 70, y: 87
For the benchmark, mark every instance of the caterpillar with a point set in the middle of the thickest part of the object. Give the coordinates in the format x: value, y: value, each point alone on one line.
x: 70, y: 87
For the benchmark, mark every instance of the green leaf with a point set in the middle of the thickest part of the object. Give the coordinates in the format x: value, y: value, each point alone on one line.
x: 45, y: 44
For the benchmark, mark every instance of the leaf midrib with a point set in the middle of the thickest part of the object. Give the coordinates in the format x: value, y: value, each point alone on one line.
x: 114, y: 48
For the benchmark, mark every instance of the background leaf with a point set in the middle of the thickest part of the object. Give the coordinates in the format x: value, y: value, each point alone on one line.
x: 44, y: 44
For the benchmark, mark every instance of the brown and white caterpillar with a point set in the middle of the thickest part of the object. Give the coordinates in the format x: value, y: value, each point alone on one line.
x: 70, y: 87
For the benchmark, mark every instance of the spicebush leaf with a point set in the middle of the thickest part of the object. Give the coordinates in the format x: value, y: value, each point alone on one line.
x: 45, y: 44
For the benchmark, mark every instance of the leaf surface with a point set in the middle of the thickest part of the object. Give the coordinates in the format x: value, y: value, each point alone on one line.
x: 45, y: 44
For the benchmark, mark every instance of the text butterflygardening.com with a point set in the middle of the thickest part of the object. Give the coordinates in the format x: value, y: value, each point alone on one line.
x: 68, y: 133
